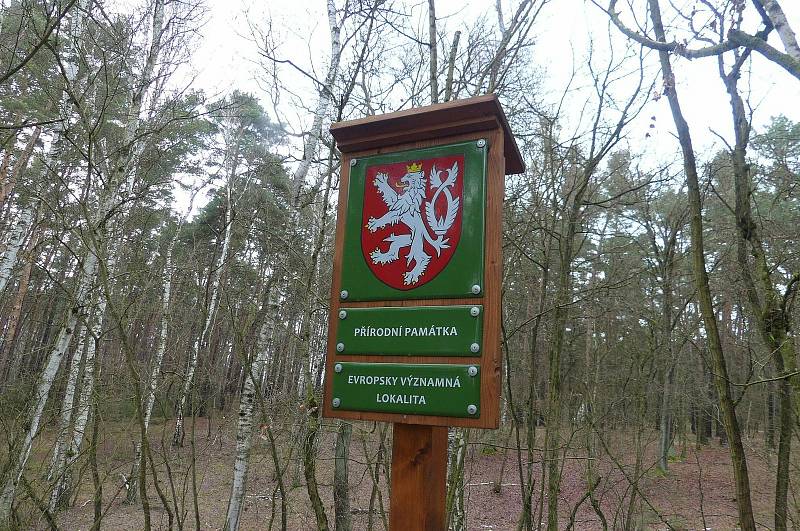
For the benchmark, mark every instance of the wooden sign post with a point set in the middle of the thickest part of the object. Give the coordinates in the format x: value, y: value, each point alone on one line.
x: 414, y: 333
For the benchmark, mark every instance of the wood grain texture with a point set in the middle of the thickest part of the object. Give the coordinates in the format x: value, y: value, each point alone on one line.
x: 431, y: 122
x: 419, y: 478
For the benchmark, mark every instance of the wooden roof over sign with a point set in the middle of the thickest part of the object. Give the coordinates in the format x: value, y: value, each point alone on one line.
x: 434, y: 121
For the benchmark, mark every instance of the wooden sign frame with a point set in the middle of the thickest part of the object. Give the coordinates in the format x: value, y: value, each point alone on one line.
x: 474, y: 119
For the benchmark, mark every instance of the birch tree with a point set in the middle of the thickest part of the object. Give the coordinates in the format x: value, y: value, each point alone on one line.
x: 244, y: 433
x: 65, y: 455
x: 233, y: 137
x: 87, y: 271
x: 772, y: 17
x: 132, y: 481
x: 16, y: 240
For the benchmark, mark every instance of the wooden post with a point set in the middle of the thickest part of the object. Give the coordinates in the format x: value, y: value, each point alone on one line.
x: 419, y: 478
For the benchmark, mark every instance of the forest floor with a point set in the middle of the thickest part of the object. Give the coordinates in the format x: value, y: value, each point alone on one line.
x: 696, y: 493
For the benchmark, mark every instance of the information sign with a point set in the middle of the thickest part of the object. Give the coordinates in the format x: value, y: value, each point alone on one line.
x: 414, y: 389
x: 455, y: 330
x: 414, y: 324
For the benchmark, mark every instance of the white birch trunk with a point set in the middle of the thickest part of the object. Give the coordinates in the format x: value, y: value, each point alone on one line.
x: 155, y: 373
x: 44, y: 383
x: 63, y: 487
x: 199, y: 344
x: 7, y: 341
x: 15, y: 242
x: 65, y: 455
x: 87, y: 385
x: 244, y: 433
x: 324, y: 102
x: 782, y: 27
x: 132, y: 482
x: 85, y: 279
x: 62, y: 440
x: 20, y: 165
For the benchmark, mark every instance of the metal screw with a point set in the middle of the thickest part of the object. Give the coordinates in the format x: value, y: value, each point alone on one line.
x: 337, y: 402
x: 339, y: 347
x: 473, y: 347
x: 476, y: 289
x: 472, y: 371
x: 471, y: 409
x: 338, y: 367
x: 344, y: 294
x: 342, y: 314
x: 353, y: 162
x: 481, y: 143
x: 474, y: 311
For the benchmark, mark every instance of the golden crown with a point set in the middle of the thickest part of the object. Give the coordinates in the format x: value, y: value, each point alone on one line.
x: 414, y: 168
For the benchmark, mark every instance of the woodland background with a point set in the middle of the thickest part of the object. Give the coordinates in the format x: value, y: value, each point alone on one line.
x: 166, y: 260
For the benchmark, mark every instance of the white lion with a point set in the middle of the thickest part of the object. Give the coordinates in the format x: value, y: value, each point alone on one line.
x: 407, y: 207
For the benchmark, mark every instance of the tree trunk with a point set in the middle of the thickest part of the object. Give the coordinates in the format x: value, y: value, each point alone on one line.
x: 665, y: 435
x: 64, y: 485
x: 456, y: 452
x: 62, y: 445
x: 782, y: 27
x: 769, y: 428
x: 304, y: 357
x: 341, y: 484
x: 771, y: 315
x: 7, y: 344
x: 433, y: 50
x: 720, y: 369
x: 573, y: 204
x: 244, y: 431
x: 323, y: 104
x: 15, y: 241
x: 45, y: 382
x: 200, y: 343
x: 665, y: 426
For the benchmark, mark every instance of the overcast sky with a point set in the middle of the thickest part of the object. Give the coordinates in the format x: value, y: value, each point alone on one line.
x: 225, y: 56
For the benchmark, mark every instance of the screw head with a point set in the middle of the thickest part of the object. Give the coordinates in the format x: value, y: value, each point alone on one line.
x: 476, y: 289
x: 339, y: 347
x: 481, y: 143
x: 344, y: 294
x: 353, y: 162
x: 337, y: 402
x: 338, y: 367
x: 342, y: 314
x: 471, y: 409
x: 472, y: 371
x: 474, y: 347
x: 474, y: 311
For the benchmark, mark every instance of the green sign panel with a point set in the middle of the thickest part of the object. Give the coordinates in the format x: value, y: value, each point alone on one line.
x: 419, y: 330
x: 414, y: 226
x: 429, y: 389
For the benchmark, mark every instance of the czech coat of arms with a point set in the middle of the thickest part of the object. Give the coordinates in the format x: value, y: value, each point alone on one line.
x: 412, y: 219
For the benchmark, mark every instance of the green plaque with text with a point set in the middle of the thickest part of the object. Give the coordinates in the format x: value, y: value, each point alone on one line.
x: 414, y: 331
x: 411, y: 389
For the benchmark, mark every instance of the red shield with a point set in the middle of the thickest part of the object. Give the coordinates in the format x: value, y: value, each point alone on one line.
x: 412, y: 219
